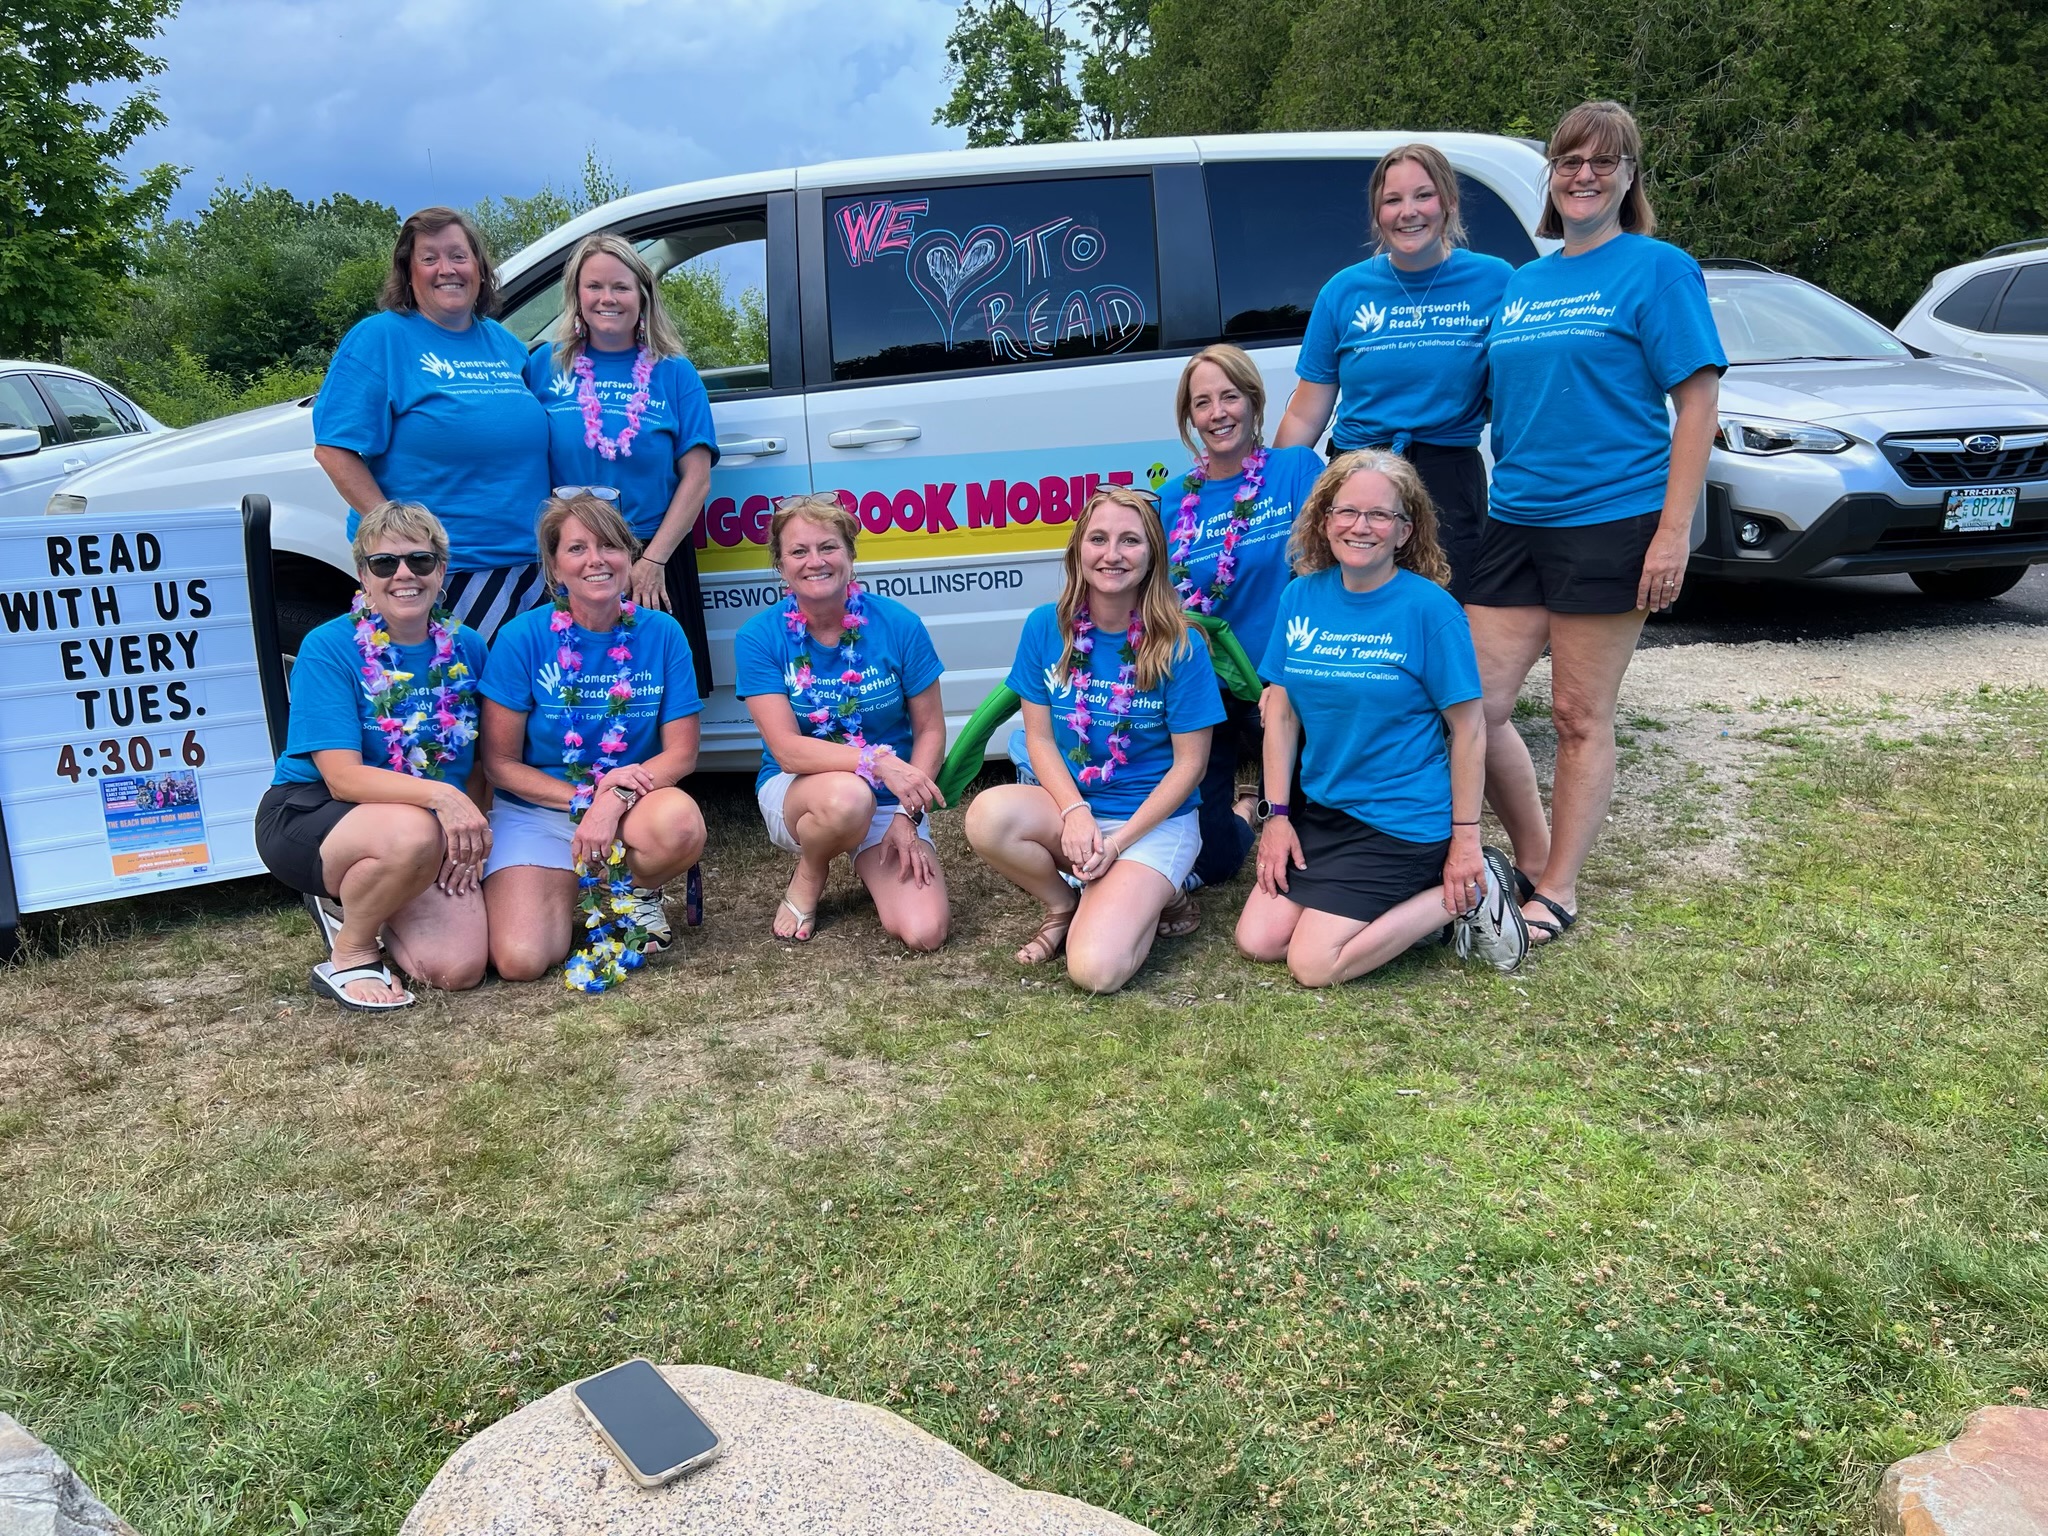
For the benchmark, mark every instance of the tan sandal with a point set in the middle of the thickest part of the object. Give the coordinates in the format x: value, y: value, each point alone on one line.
x: 1050, y: 938
x: 806, y: 924
x: 1180, y: 917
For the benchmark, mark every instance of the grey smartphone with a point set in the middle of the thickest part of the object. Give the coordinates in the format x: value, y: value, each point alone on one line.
x: 648, y: 1424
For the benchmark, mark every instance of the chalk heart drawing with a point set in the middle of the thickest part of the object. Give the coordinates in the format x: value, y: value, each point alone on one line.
x: 949, y: 269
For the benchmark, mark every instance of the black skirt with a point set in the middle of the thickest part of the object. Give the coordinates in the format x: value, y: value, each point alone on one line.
x: 1357, y: 871
x: 686, y: 602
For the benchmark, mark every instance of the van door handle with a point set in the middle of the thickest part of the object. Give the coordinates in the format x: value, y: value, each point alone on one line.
x: 865, y: 437
x: 73, y: 466
x: 753, y: 447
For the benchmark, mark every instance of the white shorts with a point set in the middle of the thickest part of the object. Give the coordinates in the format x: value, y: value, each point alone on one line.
x: 776, y: 790
x: 527, y: 834
x: 1169, y: 847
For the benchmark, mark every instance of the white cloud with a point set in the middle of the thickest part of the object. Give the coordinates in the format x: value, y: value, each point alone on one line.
x: 417, y: 101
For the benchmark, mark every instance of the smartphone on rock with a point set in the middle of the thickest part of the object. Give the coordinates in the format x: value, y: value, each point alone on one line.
x: 647, y: 1423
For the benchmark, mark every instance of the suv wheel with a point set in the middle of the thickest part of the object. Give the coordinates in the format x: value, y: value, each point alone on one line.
x: 1970, y: 586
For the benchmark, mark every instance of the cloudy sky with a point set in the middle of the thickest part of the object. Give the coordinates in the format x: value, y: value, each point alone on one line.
x: 418, y: 101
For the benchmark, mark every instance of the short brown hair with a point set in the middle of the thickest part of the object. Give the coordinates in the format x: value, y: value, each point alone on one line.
x: 1309, y: 545
x: 601, y: 517
x: 1441, y: 176
x: 820, y: 507
x: 1598, y: 128
x: 404, y: 519
x: 398, y: 294
x: 1243, y: 374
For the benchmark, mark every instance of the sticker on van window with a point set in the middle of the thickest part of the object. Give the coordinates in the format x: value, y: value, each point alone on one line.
x: 974, y: 277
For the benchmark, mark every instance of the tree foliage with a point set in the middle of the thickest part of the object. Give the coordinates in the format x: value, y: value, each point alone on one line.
x: 1020, y: 76
x: 510, y: 224
x: 69, y: 224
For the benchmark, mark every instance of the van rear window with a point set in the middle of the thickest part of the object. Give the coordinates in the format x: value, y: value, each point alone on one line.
x: 938, y: 279
x: 1285, y: 227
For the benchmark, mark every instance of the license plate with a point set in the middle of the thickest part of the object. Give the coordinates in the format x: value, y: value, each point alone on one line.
x: 1980, y: 510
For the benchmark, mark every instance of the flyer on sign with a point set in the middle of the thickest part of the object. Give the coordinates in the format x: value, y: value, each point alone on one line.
x: 138, y: 740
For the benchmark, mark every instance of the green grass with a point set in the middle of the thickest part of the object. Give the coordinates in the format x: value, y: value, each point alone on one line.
x: 1718, y: 1208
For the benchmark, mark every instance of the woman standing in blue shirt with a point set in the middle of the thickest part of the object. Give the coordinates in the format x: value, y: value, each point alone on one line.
x: 1593, y: 486
x: 1396, y: 347
x: 376, y: 803
x: 1227, y: 522
x: 1119, y: 697
x: 1372, y: 660
x: 427, y: 401
x: 626, y: 410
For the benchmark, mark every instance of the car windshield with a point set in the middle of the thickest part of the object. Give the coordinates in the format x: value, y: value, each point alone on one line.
x: 1775, y: 319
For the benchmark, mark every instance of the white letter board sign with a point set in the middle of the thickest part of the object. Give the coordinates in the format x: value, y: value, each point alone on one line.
x: 142, y: 702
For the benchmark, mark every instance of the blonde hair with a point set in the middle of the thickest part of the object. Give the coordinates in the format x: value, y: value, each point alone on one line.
x: 820, y: 507
x: 657, y: 333
x: 1243, y: 374
x: 1599, y: 128
x: 1166, y: 626
x: 601, y: 517
x: 399, y: 519
x: 1308, y: 547
x: 1441, y: 176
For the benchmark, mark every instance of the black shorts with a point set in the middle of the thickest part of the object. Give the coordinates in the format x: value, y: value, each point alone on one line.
x: 1584, y: 568
x: 292, y: 821
x: 1357, y: 871
x: 686, y: 603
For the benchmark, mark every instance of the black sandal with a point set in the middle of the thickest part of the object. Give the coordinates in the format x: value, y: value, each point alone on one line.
x: 1525, y: 888
x: 1557, y: 930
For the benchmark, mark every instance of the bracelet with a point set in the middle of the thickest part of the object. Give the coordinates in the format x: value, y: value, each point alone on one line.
x: 1078, y: 805
x: 1472, y: 823
x: 652, y: 561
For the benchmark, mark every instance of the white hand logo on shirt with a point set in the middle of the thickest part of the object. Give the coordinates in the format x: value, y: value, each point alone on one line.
x: 563, y: 385
x: 1300, y: 634
x: 1513, y: 310
x: 1053, y: 686
x: 435, y: 364
x: 1369, y: 318
x: 551, y: 680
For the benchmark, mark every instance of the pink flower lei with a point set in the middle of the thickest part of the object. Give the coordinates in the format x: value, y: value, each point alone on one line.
x: 1189, y: 523
x: 1121, y: 694
x: 418, y: 743
x: 818, y: 713
x: 593, y: 408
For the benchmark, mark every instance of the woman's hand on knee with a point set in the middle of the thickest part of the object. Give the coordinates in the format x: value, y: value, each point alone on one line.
x: 466, y: 838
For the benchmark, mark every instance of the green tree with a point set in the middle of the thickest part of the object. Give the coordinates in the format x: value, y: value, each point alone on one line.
x: 69, y: 224
x: 720, y: 329
x: 1015, y: 70
x: 510, y: 224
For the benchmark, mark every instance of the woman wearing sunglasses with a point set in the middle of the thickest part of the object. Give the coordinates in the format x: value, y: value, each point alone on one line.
x: 375, y: 803
x: 1594, y: 486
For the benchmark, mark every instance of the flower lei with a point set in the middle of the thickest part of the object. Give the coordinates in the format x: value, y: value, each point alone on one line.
x: 593, y: 408
x: 828, y: 721
x: 609, y: 942
x: 1121, y: 693
x: 413, y: 743
x: 1189, y: 523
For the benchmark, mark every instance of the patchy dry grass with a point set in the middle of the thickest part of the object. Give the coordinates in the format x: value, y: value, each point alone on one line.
x: 1723, y: 1204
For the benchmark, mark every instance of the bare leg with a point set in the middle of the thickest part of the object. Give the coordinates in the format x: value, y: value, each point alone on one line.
x: 532, y: 919
x: 663, y: 834
x: 1015, y: 830
x: 827, y: 814
x: 1327, y: 949
x: 1265, y: 926
x: 918, y: 915
x: 1509, y: 642
x: 1589, y: 653
x: 440, y: 939
x: 1115, y: 926
x: 377, y: 860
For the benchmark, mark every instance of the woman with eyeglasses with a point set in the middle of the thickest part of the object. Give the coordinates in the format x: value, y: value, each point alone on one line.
x: 377, y: 801
x: 1396, y: 347
x: 1594, y: 486
x: 627, y: 412
x: 1372, y: 679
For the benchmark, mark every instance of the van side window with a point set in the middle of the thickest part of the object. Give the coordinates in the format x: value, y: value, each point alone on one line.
x: 2024, y: 310
x: 937, y: 279
x: 1284, y: 227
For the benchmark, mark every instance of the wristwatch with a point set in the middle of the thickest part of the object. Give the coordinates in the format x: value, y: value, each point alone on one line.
x: 630, y: 796
x: 1268, y: 809
x: 916, y: 817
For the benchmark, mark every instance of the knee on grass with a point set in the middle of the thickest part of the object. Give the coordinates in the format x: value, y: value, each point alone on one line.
x: 922, y: 933
x: 520, y: 959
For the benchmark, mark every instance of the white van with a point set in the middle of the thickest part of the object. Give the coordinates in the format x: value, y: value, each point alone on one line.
x: 960, y: 344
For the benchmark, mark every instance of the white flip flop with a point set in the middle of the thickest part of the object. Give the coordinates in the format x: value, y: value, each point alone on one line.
x: 333, y: 983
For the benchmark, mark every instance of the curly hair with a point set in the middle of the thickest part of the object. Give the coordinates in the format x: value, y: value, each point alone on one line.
x: 1308, y: 547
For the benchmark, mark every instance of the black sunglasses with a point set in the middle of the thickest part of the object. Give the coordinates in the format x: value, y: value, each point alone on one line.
x: 421, y: 562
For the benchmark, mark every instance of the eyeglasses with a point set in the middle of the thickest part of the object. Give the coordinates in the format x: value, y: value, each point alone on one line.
x: 1372, y: 517
x: 1565, y: 167
x: 601, y: 492
x: 421, y: 562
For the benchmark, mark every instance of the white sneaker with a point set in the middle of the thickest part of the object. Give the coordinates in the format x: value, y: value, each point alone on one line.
x: 1495, y: 929
x: 649, y: 913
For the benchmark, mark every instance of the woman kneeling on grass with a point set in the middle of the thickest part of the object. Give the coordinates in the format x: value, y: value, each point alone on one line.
x: 376, y: 801
x: 590, y: 718
x: 1118, y: 693
x: 1373, y: 660
x: 843, y: 686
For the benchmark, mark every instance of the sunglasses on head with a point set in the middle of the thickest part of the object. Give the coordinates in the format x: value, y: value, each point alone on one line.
x: 421, y: 562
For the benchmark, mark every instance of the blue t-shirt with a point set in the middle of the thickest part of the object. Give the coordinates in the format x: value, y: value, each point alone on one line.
x: 1582, y: 354
x: 897, y: 663
x: 443, y: 418
x: 1406, y: 350
x: 524, y: 675
x: 1369, y: 675
x: 1262, y: 553
x: 331, y: 706
x: 676, y: 418
x: 1186, y: 699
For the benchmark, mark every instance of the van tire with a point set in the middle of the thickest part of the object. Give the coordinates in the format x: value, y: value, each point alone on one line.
x: 1979, y: 585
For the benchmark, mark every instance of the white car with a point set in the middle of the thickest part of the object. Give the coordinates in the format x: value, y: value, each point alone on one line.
x: 961, y: 344
x: 54, y: 422
x: 1994, y: 309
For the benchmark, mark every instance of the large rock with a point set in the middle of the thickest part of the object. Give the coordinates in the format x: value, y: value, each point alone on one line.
x: 1991, y: 1480
x: 795, y: 1464
x: 40, y: 1496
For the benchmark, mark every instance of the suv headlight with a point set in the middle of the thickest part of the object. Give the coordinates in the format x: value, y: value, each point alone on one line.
x: 1760, y: 436
x: 63, y: 504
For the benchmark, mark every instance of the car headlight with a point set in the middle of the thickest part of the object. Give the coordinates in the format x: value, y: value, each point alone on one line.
x: 1761, y: 436
x: 63, y: 504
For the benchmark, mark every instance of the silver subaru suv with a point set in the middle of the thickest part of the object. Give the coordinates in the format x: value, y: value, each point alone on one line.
x: 1842, y: 451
